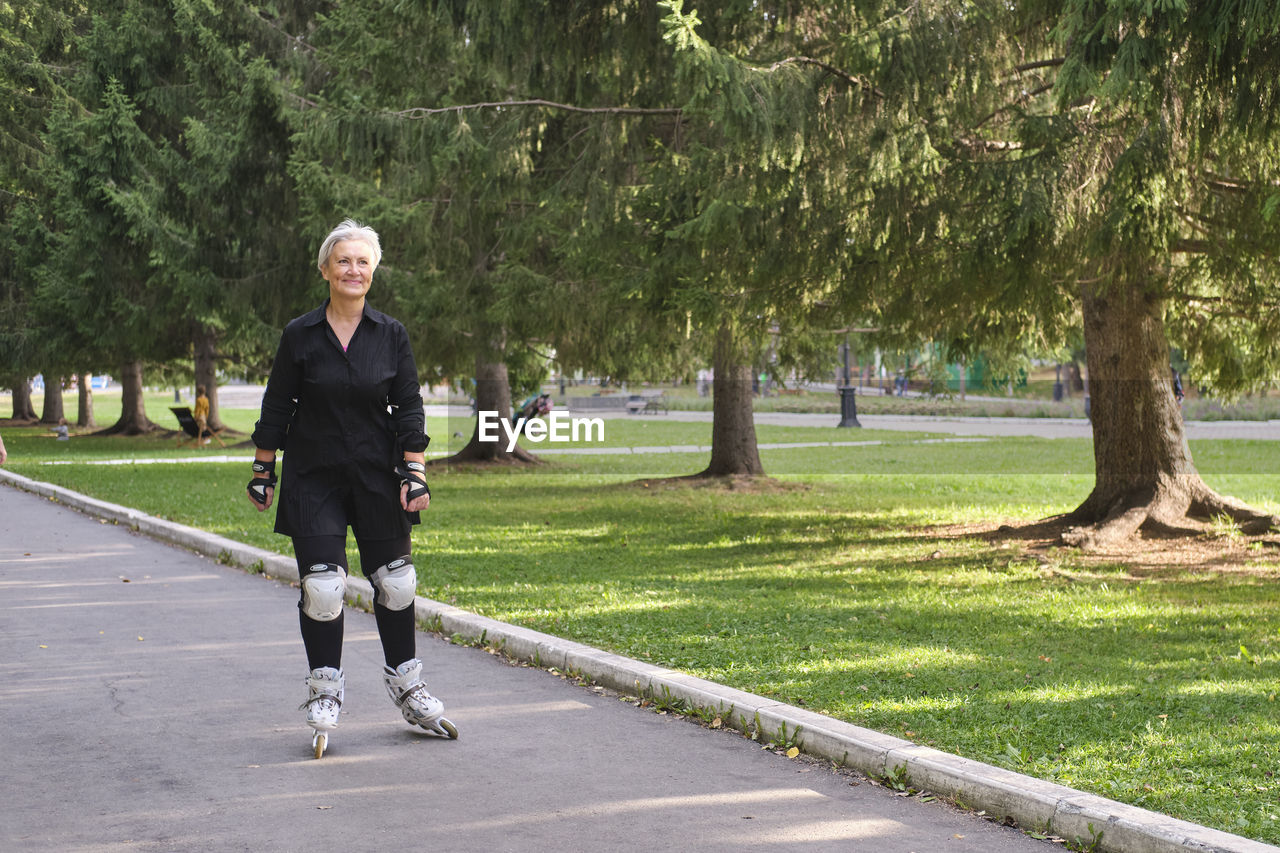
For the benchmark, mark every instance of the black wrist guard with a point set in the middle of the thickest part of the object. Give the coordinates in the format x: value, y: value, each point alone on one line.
x: 264, y: 477
x: 415, y: 475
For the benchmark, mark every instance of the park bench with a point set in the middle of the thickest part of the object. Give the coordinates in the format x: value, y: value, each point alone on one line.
x: 647, y: 402
x: 597, y: 403
x: 193, y: 436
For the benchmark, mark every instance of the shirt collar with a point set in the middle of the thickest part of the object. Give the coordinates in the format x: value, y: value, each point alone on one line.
x: 316, y: 317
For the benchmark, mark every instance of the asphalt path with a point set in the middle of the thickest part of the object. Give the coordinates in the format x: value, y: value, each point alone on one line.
x: 149, y: 701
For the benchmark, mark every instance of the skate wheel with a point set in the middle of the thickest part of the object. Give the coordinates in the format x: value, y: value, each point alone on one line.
x: 449, y: 728
x: 319, y: 742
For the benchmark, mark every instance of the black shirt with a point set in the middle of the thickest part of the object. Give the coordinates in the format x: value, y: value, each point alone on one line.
x: 344, y: 420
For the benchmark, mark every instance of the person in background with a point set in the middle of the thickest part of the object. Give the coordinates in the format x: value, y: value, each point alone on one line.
x: 201, y: 413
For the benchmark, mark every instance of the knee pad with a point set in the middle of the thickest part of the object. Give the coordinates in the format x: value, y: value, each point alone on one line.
x: 323, y: 585
x: 396, y: 584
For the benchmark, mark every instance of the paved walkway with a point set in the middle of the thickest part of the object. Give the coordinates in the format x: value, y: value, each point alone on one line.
x: 149, y: 698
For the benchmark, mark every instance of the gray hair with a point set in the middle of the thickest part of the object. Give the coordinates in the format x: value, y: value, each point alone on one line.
x: 349, y: 229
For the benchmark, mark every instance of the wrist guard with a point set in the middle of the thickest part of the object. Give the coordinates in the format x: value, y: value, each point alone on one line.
x: 415, y: 475
x: 264, y: 477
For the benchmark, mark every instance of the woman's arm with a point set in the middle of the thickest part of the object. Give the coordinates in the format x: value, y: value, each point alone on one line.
x: 272, y: 429
x: 407, y: 417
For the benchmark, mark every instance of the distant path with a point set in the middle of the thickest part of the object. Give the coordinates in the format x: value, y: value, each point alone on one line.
x: 250, y: 396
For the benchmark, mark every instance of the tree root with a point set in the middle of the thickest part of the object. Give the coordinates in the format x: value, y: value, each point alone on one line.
x: 1210, y: 504
x: 1172, y: 509
x: 474, y: 454
x: 759, y: 484
x: 121, y: 427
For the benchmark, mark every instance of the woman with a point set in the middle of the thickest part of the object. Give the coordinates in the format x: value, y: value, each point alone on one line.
x: 343, y: 400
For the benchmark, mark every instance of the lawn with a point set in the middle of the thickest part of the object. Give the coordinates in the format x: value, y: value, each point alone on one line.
x: 846, y: 589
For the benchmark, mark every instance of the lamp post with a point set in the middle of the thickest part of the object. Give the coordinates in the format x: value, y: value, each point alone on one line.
x: 848, y: 403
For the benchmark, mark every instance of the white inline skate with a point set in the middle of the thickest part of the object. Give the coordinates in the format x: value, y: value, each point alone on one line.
x: 420, y: 708
x: 325, y: 686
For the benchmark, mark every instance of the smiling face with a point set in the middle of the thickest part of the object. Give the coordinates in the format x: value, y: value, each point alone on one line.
x: 349, y: 269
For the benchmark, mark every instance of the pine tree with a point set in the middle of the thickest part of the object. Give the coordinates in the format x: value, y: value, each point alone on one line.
x: 1016, y: 167
x: 164, y: 219
x: 476, y: 197
x: 578, y: 192
x: 33, y: 41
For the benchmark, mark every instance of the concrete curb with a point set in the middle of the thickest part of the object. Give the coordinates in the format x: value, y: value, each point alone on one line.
x: 1031, y: 803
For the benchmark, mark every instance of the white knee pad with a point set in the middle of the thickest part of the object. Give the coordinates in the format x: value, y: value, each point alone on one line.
x: 396, y: 584
x: 322, y: 590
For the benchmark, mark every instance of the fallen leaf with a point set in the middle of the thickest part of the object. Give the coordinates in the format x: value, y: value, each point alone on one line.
x: 44, y: 647
x: 717, y: 723
x: 139, y: 639
x: 792, y: 752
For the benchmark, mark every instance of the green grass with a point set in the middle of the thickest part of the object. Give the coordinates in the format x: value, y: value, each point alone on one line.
x: 840, y: 592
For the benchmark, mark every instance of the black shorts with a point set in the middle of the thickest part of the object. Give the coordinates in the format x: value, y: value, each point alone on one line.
x: 325, y: 503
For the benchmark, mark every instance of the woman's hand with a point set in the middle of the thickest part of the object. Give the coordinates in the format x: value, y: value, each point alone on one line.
x: 417, y: 504
x: 262, y: 507
x: 262, y: 488
x: 415, y: 496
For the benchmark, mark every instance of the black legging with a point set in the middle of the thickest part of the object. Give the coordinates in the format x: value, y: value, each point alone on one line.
x: 396, y: 628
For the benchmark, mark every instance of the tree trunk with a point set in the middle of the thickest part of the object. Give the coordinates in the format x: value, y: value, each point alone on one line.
x: 52, y: 411
x: 133, y: 407
x: 733, y: 428
x: 84, y: 417
x: 206, y: 369
x: 1144, y: 475
x: 22, y: 408
x: 493, y: 394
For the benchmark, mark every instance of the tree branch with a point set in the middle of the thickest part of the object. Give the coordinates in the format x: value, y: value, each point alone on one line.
x: 423, y: 112
x: 306, y: 102
x: 1025, y: 96
x: 1043, y: 63
x: 989, y: 144
x: 1226, y: 185
x: 1189, y: 247
x: 830, y: 69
